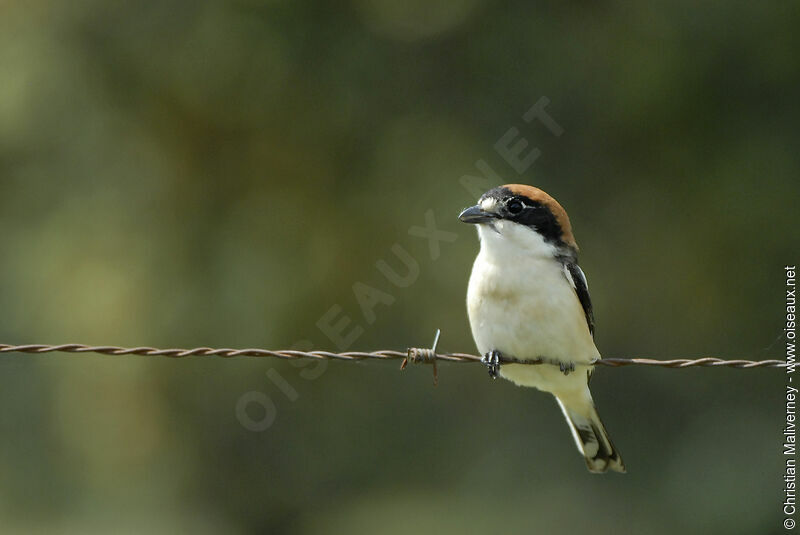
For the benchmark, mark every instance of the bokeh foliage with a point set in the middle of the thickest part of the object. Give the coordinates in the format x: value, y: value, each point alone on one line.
x: 184, y: 173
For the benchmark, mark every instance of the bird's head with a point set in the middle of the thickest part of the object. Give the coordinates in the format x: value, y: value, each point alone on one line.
x: 514, y: 211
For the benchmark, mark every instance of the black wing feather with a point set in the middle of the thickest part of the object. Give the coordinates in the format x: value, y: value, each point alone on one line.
x: 578, y: 280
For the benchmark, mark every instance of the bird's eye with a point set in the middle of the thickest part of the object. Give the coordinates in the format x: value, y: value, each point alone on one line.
x: 514, y: 206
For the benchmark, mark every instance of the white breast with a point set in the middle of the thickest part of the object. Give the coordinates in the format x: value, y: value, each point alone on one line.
x: 521, y: 303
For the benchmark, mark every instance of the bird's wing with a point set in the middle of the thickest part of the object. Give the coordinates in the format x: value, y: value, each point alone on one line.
x: 577, y: 279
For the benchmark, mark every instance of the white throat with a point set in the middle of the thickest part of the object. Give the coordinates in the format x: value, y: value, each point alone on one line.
x: 505, y: 239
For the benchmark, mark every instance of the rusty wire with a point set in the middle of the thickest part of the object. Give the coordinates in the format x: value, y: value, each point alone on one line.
x: 415, y: 355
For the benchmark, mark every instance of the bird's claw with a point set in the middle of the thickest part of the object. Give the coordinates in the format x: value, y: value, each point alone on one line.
x: 492, y: 362
x: 566, y: 367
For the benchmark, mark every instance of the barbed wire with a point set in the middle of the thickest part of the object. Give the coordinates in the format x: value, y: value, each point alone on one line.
x: 414, y: 355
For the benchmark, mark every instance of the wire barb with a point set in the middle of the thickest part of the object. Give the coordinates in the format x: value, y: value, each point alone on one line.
x: 419, y: 354
x: 413, y: 355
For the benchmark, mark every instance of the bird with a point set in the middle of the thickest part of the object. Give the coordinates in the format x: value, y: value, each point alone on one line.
x: 528, y: 300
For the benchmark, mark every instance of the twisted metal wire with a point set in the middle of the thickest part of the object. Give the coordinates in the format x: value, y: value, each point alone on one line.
x: 414, y: 355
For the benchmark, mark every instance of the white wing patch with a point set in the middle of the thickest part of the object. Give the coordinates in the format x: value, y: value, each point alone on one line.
x: 583, y: 277
x: 568, y: 275
x: 581, y: 287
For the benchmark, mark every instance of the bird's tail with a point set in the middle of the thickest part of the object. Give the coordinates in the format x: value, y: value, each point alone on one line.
x: 590, y: 434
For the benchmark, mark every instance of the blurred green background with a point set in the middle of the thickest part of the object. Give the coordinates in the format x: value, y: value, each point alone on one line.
x: 182, y: 174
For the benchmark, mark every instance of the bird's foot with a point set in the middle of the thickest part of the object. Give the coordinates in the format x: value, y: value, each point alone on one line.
x: 492, y: 362
x: 566, y: 367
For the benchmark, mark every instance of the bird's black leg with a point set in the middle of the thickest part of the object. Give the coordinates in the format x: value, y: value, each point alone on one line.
x: 566, y: 367
x: 492, y: 362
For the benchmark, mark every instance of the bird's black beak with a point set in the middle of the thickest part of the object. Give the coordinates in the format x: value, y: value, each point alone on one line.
x: 476, y: 216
